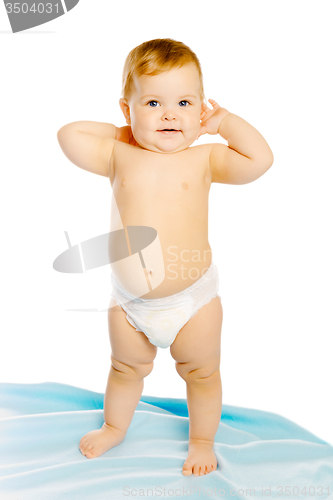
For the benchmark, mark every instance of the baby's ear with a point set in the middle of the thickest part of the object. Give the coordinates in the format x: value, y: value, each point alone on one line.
x: 125, y: 109
x: 204, y: 104
x: 203, y: 109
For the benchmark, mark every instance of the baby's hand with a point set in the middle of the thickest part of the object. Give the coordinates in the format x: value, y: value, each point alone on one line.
x: 124, y: 134
x: 211, y: 118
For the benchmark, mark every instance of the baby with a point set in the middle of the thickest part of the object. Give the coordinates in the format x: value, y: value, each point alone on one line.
x: 160, y: 182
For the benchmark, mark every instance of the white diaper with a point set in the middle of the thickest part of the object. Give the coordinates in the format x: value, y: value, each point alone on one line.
x: 161, y: 319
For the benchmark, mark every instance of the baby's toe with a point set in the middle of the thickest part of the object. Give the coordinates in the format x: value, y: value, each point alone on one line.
x: 203, y: 470
x: 88, y: 451
x: 85, y: 446
x: 196, y: 470
x: 83, y: 441
x: 82, y: 451
x: 187, y: 468
x: 82, y: 447
x: 90, y: 454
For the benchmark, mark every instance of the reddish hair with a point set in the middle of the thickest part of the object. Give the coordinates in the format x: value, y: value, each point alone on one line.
x: 154, y: 57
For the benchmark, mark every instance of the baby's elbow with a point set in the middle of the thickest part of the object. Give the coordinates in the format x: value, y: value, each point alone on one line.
x: 267, y: 162
x: 269, y: 157
x: 63, y: 134
x: 261, y: 168
x: 265, y: 156
x: 60, y: 133
x: 59, y: 136
x: 68, y: 127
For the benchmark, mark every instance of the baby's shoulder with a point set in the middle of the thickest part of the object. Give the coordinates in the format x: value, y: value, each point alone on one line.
x: 201, y: 148
x: 201, y: 152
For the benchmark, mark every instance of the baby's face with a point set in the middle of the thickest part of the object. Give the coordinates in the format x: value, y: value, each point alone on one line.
x: 164, y: 110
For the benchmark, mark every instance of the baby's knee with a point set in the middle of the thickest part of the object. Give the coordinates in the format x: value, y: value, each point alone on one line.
x: 130, y: 371
x: 201, y: 375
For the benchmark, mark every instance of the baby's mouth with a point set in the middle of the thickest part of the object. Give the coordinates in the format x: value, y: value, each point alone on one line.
x: 168, y: 131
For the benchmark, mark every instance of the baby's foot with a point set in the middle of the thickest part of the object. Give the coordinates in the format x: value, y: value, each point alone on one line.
x: 95, y: 443
x: 201, y: 458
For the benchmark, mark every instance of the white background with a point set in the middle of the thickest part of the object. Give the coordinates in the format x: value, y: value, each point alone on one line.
x: 266, y: 61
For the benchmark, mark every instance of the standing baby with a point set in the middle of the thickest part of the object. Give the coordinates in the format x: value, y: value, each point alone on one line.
x: 159, y: 181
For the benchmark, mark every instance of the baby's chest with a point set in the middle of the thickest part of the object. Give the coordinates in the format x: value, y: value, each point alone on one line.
x: 169, y: 179
x: 152, y: 183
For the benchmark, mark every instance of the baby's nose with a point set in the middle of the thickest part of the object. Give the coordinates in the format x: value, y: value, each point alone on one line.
x: 169, y: 114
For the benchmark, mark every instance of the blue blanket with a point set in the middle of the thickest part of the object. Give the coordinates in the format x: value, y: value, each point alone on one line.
x: 41, y: 426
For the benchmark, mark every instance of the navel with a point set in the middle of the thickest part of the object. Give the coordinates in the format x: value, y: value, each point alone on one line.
x: 123, y: 182
x: 184, y: 185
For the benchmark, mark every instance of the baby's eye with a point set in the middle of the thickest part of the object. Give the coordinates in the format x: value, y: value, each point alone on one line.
x: 153, y: 104
x: 184, y: 103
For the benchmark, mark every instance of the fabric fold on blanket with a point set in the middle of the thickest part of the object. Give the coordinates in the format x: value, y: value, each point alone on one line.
x: 259, y: 453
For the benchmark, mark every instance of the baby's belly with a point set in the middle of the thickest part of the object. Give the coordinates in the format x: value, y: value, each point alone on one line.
x: 183, y: 266
x: 163, y: 243
x: 159, y: 265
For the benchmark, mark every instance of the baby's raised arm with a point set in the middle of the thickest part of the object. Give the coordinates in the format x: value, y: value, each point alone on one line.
x: 247, y: 156
x: 89, y: 145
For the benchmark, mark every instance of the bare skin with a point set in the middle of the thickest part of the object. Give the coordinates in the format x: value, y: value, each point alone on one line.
x: 196, y: 351
x: 185, y: 178
x: 161, y: 182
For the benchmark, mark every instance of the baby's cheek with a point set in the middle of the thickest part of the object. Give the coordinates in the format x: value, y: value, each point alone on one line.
x: 136, y: 131
x: 196, y: 122
x: 141, y: 138
x: 196, y: 128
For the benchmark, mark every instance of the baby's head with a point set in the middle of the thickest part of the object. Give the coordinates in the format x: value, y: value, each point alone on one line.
x: 162, y: 95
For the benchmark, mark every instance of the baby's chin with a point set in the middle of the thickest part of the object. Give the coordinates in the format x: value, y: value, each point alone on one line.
x: 165, y: 149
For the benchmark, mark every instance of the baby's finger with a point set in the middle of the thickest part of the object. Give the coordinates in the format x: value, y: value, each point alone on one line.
x: 203, y: 117
x: 207, y: 115
x: 213, y: 103
x: 205, y: 109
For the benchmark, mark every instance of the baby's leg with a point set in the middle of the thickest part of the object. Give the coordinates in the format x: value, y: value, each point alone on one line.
x: 131, y: 360
x: 196, y: 350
